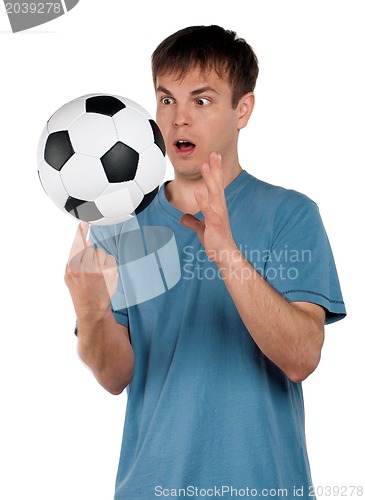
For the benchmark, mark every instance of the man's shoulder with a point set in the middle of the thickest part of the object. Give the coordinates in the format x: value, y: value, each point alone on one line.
x: 277, y: 195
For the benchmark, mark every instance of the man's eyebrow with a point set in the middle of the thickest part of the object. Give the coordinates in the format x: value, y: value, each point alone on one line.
x: 203, y: 89
x: 162, y: 89
x: 199, y: 91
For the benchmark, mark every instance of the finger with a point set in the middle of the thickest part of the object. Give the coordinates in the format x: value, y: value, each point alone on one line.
x: 111, y: 279
x: 206, y: 208
x: 100, y: 257
x: 213, y: 179
x: 215, y: 162
x: 79, y: 244
x: 85, y: 261
x: 215, y: 167
x: 110, y: 261
x: 192, y: 223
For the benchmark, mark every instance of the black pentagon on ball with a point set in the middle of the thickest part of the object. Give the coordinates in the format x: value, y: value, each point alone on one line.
x: 58, y: 149
x: 104, y: 105
x: 120, y: 163
x: 83, y: 210
x: 158, y: 138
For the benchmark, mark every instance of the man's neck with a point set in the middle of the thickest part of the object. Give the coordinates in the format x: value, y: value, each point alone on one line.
x: 181, y: 195
x: 180, y: 191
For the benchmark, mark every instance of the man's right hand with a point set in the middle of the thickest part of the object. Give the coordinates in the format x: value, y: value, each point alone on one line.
x: 91, y: 276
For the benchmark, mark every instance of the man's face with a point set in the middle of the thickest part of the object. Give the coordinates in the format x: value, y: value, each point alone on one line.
x: 195, y: 116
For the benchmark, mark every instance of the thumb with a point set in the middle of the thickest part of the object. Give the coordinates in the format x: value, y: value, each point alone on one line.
x: 193, y: 223
x: 79, y: 244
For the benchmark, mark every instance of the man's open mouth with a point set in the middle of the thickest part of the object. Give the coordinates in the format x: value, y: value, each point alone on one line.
x: 184, y: 146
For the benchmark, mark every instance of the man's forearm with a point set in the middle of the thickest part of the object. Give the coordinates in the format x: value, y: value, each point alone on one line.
x: 104, y: 346
x: 289, y: 334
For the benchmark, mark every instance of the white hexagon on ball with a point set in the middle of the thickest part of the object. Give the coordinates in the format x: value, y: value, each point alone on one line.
x: 133, y: 129
x: 151, y: 168
x: 84, y: 177
x: 52, y: 184
x: 93, y: 134
x: 121, y: 198
x: 66, y: 116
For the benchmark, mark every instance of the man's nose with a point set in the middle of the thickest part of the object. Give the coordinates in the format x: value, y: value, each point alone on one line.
x: 181, y: 117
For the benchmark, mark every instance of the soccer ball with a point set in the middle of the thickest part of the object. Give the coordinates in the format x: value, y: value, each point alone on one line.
x: 101, y: 158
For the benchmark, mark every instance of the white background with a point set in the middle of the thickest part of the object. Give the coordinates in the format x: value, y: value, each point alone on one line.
x: 60, y: 431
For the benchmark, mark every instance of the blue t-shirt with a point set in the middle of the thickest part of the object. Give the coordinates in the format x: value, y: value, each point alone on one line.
x: 208, y: 414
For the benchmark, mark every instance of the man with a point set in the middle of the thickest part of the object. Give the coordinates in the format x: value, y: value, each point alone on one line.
x: 214, y: 365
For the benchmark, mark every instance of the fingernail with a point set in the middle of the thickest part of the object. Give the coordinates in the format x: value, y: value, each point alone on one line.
x: 83, y: 224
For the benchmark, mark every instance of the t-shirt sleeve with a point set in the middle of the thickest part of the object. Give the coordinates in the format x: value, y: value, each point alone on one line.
x: 300, y: 265
x: 107, y: 238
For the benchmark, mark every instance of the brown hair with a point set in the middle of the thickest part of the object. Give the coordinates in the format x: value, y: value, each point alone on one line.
x: 210, y: 47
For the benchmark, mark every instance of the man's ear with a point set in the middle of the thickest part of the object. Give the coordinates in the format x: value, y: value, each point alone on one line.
x: 244, y: 109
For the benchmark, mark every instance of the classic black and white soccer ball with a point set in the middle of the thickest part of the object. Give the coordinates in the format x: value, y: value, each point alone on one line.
x: 101, y: 158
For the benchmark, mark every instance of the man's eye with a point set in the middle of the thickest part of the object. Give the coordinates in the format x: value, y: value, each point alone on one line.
x: 202, y: 101
x: 166, y: 100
